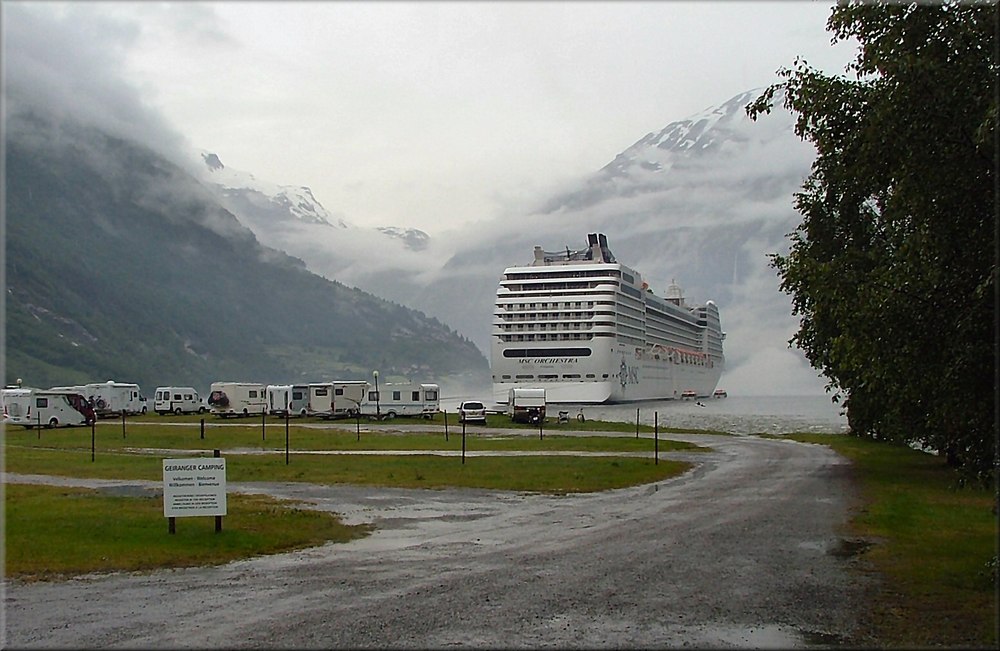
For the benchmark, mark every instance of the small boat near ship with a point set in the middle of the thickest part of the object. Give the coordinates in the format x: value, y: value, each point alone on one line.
x: 588, y: 329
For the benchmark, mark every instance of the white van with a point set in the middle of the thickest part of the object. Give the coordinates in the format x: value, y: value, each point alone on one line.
x: 402, y: 399
x: 32, y: 407
x: 112, y: 398
x: 177, y: 400
x: 237, y: 398
x: 291, y: 399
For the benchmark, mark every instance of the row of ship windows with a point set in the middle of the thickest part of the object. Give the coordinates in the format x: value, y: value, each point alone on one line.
x: 576, y: 336
x: 548, y: 306
x: 549, y: 275
x: 552, y: 316
x: 553, y: 376
x: 550, y: 287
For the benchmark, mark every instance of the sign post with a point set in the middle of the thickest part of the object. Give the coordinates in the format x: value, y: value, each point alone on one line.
x: 193, y: 487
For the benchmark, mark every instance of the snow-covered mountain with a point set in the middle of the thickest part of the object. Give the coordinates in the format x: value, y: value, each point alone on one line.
x: 702, y: 202
x: 291, y: 219
x: 253, y: 197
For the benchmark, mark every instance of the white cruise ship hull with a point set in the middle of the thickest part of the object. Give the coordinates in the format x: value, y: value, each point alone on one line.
x: 631, y: 376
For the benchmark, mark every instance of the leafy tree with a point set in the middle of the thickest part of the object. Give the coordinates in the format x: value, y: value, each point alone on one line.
x: 893, y: 270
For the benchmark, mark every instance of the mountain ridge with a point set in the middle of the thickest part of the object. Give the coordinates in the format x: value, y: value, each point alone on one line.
x: 121, y: 265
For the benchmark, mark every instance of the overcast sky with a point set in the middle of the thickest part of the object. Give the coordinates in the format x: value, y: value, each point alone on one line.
x: 433, y: 114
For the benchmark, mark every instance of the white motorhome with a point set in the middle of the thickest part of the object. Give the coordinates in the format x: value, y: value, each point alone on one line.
x: 346, y: 397
x: 526, y: 405
x: 177, y: 400
x: 112, y: 398
x: 402, y: 399
x: 291, y: 399
x: 45, y: 407
x: 237, y: 398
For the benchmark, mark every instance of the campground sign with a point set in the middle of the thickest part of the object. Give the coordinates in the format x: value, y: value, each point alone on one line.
x: 194, y: 486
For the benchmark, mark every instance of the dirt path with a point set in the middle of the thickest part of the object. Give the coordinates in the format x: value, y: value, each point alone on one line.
x: 738, y: 552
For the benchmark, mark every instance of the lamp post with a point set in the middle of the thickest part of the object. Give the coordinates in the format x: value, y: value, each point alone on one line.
x: 378, y: 412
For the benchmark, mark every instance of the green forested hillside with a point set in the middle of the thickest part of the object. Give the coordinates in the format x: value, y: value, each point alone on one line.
x: 120, y: 266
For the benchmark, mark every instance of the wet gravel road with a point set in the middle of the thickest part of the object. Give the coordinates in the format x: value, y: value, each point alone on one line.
x: 739, y: 552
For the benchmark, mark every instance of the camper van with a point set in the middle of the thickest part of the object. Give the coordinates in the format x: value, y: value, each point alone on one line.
x: 112, y: 398
x: 402, y: 399
x: 526, y: 405
x: 290, y: 399
x: 177, y: 400
x: 237, y: 399
x: 47, y: 408
x: 337, y: 399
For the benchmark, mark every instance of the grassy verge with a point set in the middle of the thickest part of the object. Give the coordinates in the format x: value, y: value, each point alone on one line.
x: 436, y: 423
x: 934, y: 540
x: 54, y: 532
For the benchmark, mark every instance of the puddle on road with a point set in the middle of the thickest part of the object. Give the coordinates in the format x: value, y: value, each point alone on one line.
x: 768, y: 636
x: 847, y: 548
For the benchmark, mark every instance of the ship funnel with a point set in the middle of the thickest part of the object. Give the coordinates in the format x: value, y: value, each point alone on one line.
x: 674, y: 293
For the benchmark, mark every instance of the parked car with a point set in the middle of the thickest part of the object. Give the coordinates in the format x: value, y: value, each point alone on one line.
x: 472, y: 411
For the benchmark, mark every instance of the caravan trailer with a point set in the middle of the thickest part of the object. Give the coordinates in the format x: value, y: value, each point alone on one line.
x: 347, y: 396
x: 112, y: 398
x: 402, y: 399
x: 177, y: 400
x: 236, y: 398
x: 46, y: 408
x: 290, y: 399
x: 526, y: 405
x: 320, y: 399
x: 336, y: 399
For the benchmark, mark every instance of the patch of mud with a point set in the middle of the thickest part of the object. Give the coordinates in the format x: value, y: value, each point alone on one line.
x: 849, y: 548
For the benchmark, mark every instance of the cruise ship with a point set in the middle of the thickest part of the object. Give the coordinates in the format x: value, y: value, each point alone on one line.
x: 588, y: 330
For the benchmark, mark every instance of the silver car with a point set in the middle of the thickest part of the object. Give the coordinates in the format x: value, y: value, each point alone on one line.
x: 472, y: 411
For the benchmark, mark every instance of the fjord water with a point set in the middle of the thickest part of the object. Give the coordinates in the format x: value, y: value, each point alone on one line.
x: 734, y: 414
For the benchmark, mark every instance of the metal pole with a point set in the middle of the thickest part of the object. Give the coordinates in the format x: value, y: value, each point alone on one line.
x: 38, y: 417
x: 202, y: 428
x: 637, y: 422
x: 540, y: 419
x: 93, y: 437
x: 445, y: 424
x: 656, y: 438
x: 123, y: 423
x: 357, y: 421
x: 378, y: 411
x: 218, y: 518
x: 286, y: 436
x: 463, y: 442
x: 263, y: 424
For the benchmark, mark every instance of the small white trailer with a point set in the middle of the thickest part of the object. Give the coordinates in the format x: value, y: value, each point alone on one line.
x: 291, y: 399
x: 526, y: 405
x: 402, y: 399
x: 112, y: 398
x: 177, y: 400
x: 45, y: 407
x: 237, y: 398
x: 337, y: 398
